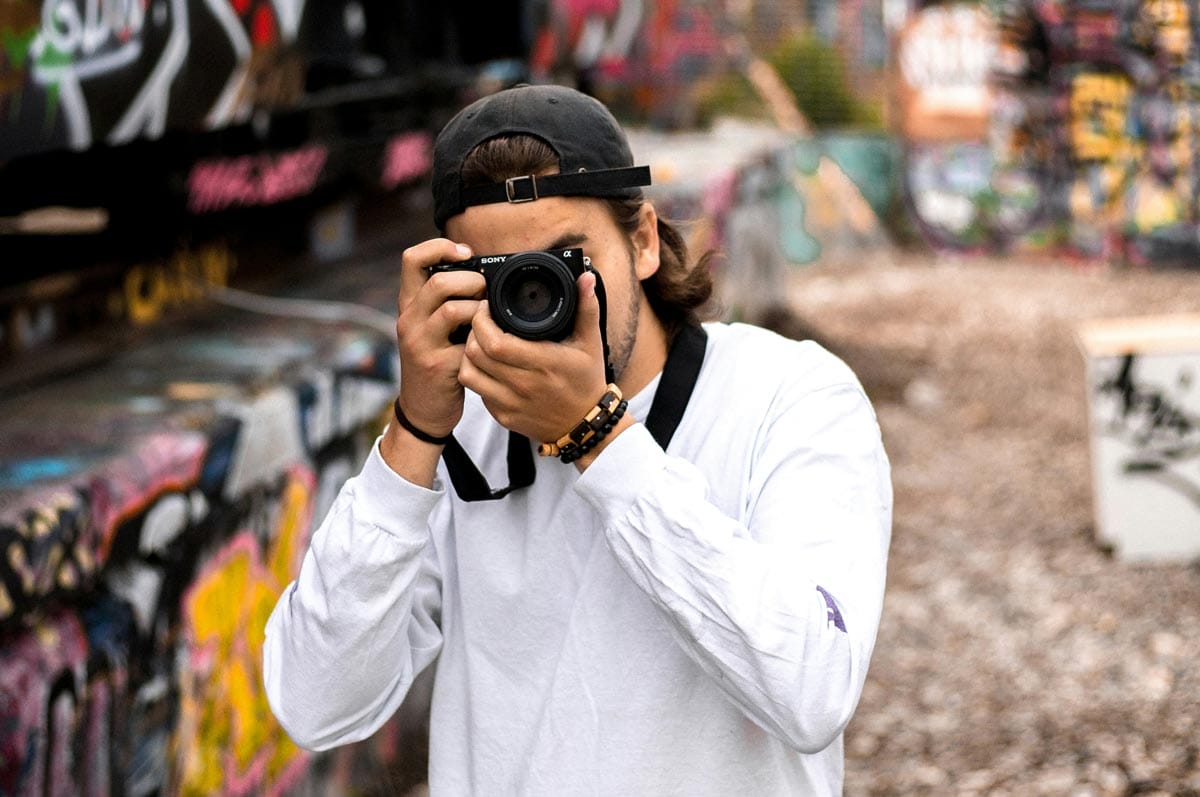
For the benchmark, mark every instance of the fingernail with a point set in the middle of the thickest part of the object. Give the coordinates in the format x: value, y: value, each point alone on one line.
x: 463, y: 250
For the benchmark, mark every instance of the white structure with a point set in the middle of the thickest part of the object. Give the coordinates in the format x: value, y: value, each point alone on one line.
x: 1144, y: 406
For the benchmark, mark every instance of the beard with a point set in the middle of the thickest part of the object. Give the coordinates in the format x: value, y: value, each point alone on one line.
x: 620, y: 341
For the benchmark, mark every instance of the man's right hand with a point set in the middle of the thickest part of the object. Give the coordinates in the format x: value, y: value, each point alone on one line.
x: 429, y: 309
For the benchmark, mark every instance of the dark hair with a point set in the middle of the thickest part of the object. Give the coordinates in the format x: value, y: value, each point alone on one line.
x: 678, y: 292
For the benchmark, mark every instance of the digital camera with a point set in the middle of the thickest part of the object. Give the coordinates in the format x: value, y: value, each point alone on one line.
x: 531, y: 294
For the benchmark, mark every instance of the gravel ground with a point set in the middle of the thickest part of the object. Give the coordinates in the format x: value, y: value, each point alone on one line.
x: 1015, y: 655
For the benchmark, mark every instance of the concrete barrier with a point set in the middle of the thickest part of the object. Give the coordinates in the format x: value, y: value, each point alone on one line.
x: 1144, y: 410
x: 152, y: 509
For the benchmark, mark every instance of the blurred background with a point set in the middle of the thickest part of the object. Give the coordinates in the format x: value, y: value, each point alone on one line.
x: 989, y: 210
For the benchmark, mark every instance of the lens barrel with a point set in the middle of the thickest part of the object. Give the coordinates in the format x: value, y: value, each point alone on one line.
x: 533, y: 295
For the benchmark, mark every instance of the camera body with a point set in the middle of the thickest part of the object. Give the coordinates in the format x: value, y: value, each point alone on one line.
x: 530, y: 294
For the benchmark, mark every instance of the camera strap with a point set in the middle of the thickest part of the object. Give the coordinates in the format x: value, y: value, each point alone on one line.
x: 675, y: 388
x: 678, y: 381
x: 471, y: 485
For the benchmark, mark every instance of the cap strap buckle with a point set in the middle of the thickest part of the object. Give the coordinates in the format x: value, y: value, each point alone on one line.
x: 510, y: 189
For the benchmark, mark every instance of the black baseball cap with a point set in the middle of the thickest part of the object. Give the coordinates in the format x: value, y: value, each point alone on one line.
x: 593, y: 153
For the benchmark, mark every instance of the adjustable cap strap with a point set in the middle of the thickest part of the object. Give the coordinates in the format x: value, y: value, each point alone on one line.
x: 599, y: 183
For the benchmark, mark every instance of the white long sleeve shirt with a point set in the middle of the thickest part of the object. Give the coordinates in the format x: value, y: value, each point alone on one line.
x: 697, y: 621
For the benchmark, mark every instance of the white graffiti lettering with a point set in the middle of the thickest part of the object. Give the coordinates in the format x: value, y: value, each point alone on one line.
x: 116, y: 23
x: 948, y: 47
x: 72, y: 47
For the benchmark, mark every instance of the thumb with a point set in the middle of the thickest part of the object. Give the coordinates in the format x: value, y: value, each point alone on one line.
x: 587, y: 317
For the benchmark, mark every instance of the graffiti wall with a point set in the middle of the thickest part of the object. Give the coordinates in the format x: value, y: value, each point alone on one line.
x: 80, y: 73
x: 1089, y: 148
x: 145, y: 133
x: 766, y: 202
x: 640, y: 56
x: 647, y: 59
x: 151, y: 512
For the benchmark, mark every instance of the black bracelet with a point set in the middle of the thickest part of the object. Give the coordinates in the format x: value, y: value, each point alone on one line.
x: 424, y: 437
x: 567, y: 457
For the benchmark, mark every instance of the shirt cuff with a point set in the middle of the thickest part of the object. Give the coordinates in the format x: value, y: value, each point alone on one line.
x: 394, y: 504
x: 627, y: 466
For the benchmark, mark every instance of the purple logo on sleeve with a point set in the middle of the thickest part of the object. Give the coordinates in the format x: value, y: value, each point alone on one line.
x: 833, y: 615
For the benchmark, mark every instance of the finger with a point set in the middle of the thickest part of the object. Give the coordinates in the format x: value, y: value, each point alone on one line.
x: 449, y: 316
x: 587, y: 318
x: 475, y: 379
x: 421, y: 256
x: 503, y: 347
x: 501, y: 401
x: 447, y: 286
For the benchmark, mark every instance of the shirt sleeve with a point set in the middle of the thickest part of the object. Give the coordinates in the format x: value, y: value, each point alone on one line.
x: 361, y: 620
x: 781, y: 610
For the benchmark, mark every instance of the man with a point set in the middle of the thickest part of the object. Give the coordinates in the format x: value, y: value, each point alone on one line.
x: 695, y: 620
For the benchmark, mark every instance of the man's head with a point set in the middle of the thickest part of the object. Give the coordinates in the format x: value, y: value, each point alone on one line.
x: 592, y: 152
x: 568, y: 148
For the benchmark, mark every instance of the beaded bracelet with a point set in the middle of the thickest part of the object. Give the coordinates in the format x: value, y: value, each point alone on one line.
x: 569, y: 456
x: 593, y: 428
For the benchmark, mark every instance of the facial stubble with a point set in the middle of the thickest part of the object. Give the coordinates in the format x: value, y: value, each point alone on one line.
x: 621, y: 345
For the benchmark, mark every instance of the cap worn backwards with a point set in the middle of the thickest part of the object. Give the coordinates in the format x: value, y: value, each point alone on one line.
x: 593, y: 153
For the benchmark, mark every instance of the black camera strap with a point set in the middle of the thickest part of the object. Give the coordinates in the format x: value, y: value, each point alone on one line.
x: 471, y: 485
x: 675, y: 389
x: 678, y: 381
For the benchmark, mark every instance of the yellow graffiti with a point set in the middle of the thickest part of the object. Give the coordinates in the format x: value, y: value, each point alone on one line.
x: 1099, y: 110
x: 151, y: 289
x: 1169, y: 18
x: 1183, y: 137
x: 1155, y: 205
x: 228, y: 742
x: 19, y: 564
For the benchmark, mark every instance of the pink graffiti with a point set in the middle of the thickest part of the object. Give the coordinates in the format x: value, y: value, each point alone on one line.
x: 30, y: 667
x: 161, y: 463
x: 254, y: 180
x: 579, y: 9
x: 618, y: 40
x: 406, y: 157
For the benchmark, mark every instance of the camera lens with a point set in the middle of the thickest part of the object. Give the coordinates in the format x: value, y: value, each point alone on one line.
x: 533, y: 295
x: 531, y: 298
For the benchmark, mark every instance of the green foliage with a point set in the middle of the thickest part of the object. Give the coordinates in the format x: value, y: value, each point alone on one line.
x: 816, y: 74
x: 727, y: 94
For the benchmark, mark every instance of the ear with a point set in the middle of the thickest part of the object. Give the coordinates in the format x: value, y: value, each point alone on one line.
x: 645, y: 243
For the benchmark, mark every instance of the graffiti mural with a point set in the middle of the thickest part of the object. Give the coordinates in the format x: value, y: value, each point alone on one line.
x: 69, y: 65
x: 151, y: 289
x: 140, y: 139
x: 254, y: 179
x: 634, y: 53
x: 137, y: 294
x: 765, y: 202
x: 1090, y: 142
x: 83, y: 73
x: 146, y: 531
x: 227, y: 741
